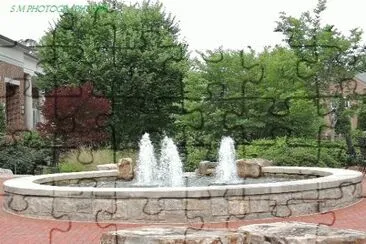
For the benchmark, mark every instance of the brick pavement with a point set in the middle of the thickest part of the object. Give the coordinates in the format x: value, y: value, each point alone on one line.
x: 17, y: 229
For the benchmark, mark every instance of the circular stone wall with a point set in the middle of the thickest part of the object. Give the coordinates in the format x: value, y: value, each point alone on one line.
x: 332, y: 189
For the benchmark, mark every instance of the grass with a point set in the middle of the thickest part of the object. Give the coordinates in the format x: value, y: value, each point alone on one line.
x: 86, y: 159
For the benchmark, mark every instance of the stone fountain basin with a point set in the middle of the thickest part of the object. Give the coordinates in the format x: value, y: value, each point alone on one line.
x: 334, y: 188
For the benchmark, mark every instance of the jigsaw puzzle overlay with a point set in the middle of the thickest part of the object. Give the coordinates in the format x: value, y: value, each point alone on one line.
x: 143, y: 86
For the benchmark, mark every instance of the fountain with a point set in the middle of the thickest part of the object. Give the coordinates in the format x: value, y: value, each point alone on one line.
x: 226, y: 171
x: 169, y: 170
x: 171, y: 167
x: 146, y: 162
x: 158, y: 194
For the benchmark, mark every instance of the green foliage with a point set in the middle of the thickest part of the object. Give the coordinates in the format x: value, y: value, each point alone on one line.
x: 194, y: 156
x: 132, y: 56
x: 327, y: 56
x: 297, y: 152
x: 277, y: 103
x: 362, y: 116
x: 327, y: 59
x: 25, y: 155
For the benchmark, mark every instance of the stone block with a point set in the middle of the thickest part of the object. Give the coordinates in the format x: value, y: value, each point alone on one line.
x: 135, y: 208
x: 197, y: 204
x: 261, y: 205
x: 16, y: 203
x: 248, y: 168
x: 207, y: 168
x: 169, y: 235
x: 107, y: 166
x: 39, y: 205
x: 219, y: 206
x: 239, y: 207
x: 73, y: 205
x: 125, y: 169
x: 153, y: 207
x: 104, y: 209
x: 173, y: 204
x: 297, y: 232
x: 176, y: 216
x: 122, y: 211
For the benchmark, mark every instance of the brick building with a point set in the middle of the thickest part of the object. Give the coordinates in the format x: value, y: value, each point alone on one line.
x: 350, y: 90
x: 18, y: 94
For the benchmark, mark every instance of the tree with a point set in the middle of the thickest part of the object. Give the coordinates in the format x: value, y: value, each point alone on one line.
x: 248, y: 96
x: 362, y: 116
x: 326, y: 58
x: 75, y: 117
x: 131, y: 54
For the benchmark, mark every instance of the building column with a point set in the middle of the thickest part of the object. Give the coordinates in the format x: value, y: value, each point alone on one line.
x: 28, y: 107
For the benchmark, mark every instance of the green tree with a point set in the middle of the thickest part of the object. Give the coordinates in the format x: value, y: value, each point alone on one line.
x: 131, y: 54
x: 247, y: 96
x: 327, y: 58
x: 362, y: 116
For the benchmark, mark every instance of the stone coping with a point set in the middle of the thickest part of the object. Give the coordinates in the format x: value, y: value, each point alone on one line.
x: 328, y: 178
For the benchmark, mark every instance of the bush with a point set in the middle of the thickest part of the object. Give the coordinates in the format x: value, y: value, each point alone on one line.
x: 195, y: 155
x: 23, y: 156
x: 297, y: 152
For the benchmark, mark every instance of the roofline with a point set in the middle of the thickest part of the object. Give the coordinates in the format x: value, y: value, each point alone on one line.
x: 17, y: 44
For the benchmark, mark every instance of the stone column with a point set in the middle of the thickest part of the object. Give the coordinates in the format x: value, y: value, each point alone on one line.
x: 28, y: 107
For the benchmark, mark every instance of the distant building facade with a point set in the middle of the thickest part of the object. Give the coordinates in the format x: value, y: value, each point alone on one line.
x: 18, y: 93
x: 349, y: 90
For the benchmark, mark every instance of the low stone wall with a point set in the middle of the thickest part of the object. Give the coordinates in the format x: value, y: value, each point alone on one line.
x: 336, y: 188
x: 285, y: 232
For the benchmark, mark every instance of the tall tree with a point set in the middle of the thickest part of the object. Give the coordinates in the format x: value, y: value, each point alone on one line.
x: 132, y: 55
x: 327, y: 59
x: 248, y: 96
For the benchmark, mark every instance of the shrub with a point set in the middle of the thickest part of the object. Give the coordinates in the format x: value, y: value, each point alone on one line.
x: 23, y: 156
x: 297, y: 152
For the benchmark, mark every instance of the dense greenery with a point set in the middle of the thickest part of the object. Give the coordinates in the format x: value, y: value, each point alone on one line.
x: 132, y: 56
x: 24, y: 155
x: 328, y: 59
x: 362, y: 116
x: 297, y: 152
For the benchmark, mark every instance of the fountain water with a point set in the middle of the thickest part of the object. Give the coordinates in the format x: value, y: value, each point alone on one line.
x: 169, y: 170
x: 146, y: 162
x: 226, y: 171
x: 171, y: 167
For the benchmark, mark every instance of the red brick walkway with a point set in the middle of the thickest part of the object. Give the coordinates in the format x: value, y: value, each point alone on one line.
x: 16, y: 229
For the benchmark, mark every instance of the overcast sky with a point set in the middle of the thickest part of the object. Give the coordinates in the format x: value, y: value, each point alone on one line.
x: 205, y: 24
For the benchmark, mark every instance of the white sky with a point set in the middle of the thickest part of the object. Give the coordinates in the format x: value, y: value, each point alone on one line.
x: 205, y: 24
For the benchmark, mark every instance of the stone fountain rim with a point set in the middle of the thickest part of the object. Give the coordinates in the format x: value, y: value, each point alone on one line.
x: 329, y: 178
